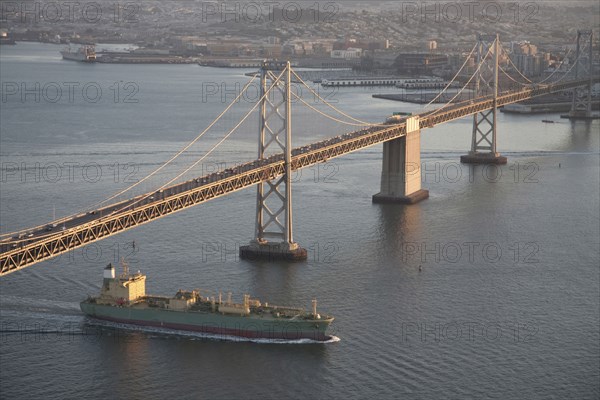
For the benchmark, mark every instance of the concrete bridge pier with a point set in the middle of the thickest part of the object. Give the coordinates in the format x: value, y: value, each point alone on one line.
x: 401, y: 168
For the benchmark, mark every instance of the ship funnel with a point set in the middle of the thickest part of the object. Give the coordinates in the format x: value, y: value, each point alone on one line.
x: 109, y: 272
x: 314, y: 307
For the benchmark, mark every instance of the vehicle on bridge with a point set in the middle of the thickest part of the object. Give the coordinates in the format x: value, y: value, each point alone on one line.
x: 397, y: 118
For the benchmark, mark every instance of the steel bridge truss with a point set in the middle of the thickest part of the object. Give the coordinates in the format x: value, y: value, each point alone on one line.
x: 274, y: 197
x: 50, y: 246
x: 582, y: 96
x: 483, y: 139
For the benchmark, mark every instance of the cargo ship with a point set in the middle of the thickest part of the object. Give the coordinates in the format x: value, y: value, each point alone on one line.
x: 123, y: 299
x: 83, y: 54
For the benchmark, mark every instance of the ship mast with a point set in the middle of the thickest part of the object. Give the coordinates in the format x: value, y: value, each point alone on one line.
x: 125, y: 268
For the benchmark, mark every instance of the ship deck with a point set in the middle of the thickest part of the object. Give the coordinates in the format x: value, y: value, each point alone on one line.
x: 270, y: 312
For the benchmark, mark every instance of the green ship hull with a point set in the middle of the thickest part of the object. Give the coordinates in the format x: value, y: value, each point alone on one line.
x: 249, y: 326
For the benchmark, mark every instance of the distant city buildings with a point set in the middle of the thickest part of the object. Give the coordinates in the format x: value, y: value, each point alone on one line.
x: 372, y: 38
x: 527, y: 60
x: 420, y: 63
x: 350, y: 53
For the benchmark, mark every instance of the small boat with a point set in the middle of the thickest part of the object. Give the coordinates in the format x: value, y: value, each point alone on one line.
x: 82, y: 54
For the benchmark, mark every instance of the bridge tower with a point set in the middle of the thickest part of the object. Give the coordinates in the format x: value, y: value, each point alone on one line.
x: 273, y: 232
x: 401, y: 168
x: 483, y: 140
x: 581, y: 107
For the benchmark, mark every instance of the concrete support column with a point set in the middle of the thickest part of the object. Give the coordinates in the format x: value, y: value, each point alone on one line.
x: 401, y: 168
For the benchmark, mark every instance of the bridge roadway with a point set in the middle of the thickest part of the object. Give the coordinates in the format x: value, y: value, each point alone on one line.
x: 33, y: 245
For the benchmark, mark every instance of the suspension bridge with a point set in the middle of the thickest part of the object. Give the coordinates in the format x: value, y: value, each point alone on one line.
x: 272, y: 170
